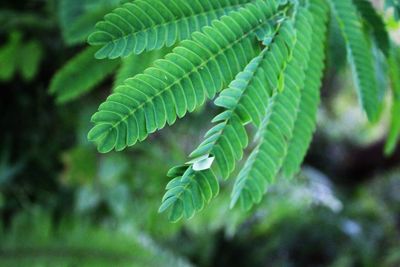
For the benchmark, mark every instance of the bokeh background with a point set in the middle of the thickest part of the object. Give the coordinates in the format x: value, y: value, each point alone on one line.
x: 64, y: 204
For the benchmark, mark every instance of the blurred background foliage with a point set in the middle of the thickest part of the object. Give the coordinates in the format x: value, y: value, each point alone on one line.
x: 63, y: 204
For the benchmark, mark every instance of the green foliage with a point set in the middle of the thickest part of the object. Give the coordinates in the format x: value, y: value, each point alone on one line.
x: 227, y: 139
x: 8, y: 53
x: 188, y: 192
x: 81, y: 74
x: 78, y: 243
x: 375, y: 24
x: 310, y: 94
x: 136, y: 64
x: 266, y: 61
x: 244, y: 102
x: 394, y: 70
x: 78, y: 17
x: 18, y: 56
x: 203, y: 66
x: 143, y: 25
x: 31, y: 55
x: 359, y: 55
x: 101, y: 209
x: 266, y: 159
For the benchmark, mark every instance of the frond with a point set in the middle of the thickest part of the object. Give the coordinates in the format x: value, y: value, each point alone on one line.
x: 149, y: 25
x: 359, y: 54
x: 267, y: 58
x: 243, y: 102
x: 376, y: 24
x: 196, y: 70
x: 81, y: 74
x: 310, y: 95
x: 188, y: 192
x: 266, y: 159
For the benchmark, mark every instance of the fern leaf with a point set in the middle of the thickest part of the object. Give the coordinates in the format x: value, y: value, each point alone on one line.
x: 188, y: 192
x: 376, y: 24
x: 245, y: 101
x: 196, y: 69
x: 310, y: 95
x: 81, y: 74
x: 266, y: 159
x: 226, y: 140
x: 149, y: 25
x: 360, y: 56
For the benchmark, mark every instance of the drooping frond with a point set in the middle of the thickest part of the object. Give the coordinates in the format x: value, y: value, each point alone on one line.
x: 81, y: 74
x: 196, y: 69
x: 310, y: 95
x: 151, y: 24
x: 188, y: 192
x: 359, y: 55
x: 394, y: 70
x: 244, y: 101
x: 376, y: 24
x: 267, y: 57
x: 375, y: 27
x: 266, y: 159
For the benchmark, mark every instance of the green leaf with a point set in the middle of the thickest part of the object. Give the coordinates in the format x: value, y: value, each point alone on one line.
x: 136, y: 64
x: 394, y: 132
x: 277, y: 128
x: 310, y: 94
x: 245, y: 100
x: 375, y: 23
x: 81, y: 74
x: 149, y: 25
x: 394, y: 70
x: 30, y: 56
x: 197, y: 69
x: 9, y: 56
x: 359, y: 55
x: 189, y: 193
